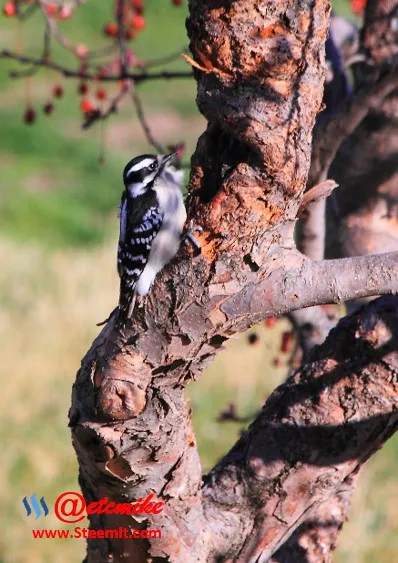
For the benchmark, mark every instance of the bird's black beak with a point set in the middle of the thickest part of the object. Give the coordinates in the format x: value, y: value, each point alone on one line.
x: 165, y: 158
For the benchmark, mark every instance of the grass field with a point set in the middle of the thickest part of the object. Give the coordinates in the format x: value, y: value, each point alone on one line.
x: 58, y: 230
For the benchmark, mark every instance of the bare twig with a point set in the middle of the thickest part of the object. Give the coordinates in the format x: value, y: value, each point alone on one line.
x: 161, y: 60
x: 317, y: 193
x: 121, y: 36
x: 144, y: 124
x: 27, y: 12
x: 85, y: 75
x: 94, y: 116
x: 52, y: 26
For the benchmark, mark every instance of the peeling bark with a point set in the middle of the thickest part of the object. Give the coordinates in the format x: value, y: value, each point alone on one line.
x: 316, y: 539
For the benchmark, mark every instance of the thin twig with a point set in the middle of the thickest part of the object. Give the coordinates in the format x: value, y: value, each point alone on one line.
x: 103, y: 51
x: 121, y: 36
x: 92, y: 117
x: 55, y: 32
x: 144, y: 124
x: 24, y: 15
x: 85, y: 75
x: 162, y: 60
x: 317, y: 193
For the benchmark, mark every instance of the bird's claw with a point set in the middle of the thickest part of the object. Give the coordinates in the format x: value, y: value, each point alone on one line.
x: 189, y: 237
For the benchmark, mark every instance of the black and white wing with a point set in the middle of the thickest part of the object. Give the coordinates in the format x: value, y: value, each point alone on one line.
x: 137, y: 232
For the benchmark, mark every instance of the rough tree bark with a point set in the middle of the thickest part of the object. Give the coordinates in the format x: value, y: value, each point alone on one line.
x: 362, y: 214
x: 260, y: 90
x: 367, y: 163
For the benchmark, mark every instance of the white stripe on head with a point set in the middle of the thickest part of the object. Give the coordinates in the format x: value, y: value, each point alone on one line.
x: 142, y: 164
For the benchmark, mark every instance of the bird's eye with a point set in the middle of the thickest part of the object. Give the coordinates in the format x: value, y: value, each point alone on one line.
x: 152, y: 166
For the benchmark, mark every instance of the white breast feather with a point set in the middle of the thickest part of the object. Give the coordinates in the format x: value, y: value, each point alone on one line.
x: 167, y: 242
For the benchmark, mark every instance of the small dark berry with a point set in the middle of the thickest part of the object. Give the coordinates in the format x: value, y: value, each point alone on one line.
x: 82, y: 89
x: 58, y: 91
x: 253, y: 338
x: 29, y: 116
x: 48, y: 108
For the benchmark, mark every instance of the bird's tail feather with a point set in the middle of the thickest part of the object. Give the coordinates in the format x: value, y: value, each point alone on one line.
x: 127, y: 298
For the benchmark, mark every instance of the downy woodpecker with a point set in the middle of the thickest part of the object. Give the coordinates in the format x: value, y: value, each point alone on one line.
x: 152, y: 217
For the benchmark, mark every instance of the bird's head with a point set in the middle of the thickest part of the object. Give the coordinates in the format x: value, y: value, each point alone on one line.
x: 140, y: 173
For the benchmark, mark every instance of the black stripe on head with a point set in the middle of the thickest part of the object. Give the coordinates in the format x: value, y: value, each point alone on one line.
x: 139, y: 169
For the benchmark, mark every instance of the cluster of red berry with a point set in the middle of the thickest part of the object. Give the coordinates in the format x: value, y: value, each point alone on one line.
x: 132, y: 17
x: 133, y: 21
x: 86, y: 105
x: 48, y: 108
x: 53, y: 10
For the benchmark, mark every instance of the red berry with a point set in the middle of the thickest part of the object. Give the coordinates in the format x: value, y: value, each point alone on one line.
x: 138, y: 22
x: 58, y: 91
x: 9, y: 9
x: 82, y: 89
x: 29, y: 115
x: 65, y: 13
x: 129, y: 33
x: 177, y: 2
x: 131, y: 57
x: 48, y: 108
x: 138, y: 6
x: 51, y: 9
x: 287, y: 340
x: 86, y: 106
x: 111, y: 29
x: 100, y: 94
x: 270, y: 322
x: 358, y: 6
x: 81, y: 51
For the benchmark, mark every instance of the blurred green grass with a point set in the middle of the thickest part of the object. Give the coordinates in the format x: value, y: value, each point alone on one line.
x: 58, y: 232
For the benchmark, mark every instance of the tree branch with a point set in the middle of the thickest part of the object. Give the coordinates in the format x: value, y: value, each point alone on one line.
x: 315, y: 540
x: 300, y: 283
x: 365, y: 230
x: 314, y: 432
x: 141, y: 76
x: 329, y: 138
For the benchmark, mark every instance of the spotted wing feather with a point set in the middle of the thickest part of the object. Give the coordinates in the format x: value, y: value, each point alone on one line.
x: 137, y: 232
